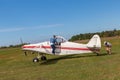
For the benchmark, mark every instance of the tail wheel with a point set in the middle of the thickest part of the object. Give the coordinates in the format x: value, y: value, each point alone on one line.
x: 35, y: 60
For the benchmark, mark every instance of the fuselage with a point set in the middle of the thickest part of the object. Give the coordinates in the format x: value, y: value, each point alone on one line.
x: 64, y: 48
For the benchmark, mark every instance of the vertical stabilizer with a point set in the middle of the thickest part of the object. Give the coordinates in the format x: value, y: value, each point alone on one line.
x: 95, y: 41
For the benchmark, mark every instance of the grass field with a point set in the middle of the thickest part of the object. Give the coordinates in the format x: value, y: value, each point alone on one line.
x: 15, y: 66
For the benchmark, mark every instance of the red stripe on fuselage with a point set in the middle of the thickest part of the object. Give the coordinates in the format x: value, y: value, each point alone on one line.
x: 66, y: 48
x: 71, y: 48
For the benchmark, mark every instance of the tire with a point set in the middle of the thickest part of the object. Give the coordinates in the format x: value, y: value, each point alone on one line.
x: 43, y: 58
x: 35, y: 60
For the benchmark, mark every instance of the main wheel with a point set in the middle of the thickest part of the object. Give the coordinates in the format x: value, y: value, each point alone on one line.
x: 43, y: 58
x: 35, y: 60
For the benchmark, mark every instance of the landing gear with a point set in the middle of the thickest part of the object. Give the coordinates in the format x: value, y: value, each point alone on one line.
x: 96, y: 51
x: 42, y: 57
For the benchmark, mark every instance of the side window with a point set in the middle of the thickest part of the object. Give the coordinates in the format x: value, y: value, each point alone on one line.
x: 59, y: 40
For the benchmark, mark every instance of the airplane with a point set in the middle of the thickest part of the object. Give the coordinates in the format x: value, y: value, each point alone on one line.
x: 63, y: 47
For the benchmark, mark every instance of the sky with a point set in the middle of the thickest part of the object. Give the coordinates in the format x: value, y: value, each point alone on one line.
x: 34, y: 21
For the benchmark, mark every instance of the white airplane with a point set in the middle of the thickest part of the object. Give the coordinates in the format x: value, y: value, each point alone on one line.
x: 63, y: 47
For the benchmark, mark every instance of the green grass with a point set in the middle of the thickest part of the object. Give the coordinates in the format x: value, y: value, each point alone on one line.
x: 15, y: 66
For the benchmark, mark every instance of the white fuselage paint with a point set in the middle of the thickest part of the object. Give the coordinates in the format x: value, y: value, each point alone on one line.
x: 66, y: 47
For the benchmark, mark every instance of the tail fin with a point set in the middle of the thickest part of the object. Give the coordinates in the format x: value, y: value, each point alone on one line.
x: 95, y: 41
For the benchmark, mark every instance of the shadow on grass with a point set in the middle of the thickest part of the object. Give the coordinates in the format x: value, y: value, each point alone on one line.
x: 55, y: 60
x: 105, y: 54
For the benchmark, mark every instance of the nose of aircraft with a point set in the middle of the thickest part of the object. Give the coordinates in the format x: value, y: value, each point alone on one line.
x: 23, y: 46
x: 29, y: 46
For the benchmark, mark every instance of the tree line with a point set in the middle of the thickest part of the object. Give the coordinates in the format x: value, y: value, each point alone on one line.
x: 13, y: 46
x: 84, y: 36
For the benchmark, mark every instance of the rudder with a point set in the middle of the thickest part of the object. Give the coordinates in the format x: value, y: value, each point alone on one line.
x: 95, y: 42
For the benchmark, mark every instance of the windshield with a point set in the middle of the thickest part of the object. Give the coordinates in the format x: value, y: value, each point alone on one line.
x: 61, y: 39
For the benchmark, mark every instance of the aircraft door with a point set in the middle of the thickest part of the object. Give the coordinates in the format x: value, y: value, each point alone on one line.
x: 58, y: 45
x: 60, y: 40
x: 58, y: 48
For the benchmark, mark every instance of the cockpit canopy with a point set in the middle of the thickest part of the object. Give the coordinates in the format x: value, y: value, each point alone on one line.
x: 60, y: 39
